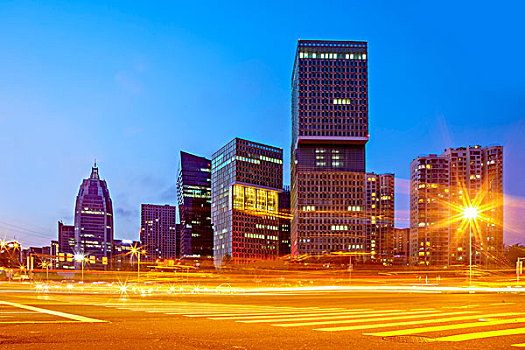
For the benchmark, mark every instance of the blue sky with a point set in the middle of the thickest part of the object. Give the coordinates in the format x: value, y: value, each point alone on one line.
x: 133, y: 83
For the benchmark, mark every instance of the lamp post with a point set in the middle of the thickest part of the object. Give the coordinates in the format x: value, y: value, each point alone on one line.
x: 519, y: 268
x: 46, y: 265
x: 470, y: 213
x: 80, y: 258
x: 138, y: 252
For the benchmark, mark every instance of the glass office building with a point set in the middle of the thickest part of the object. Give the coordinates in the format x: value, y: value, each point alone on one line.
x: 194, y: 198
x: 246, y: 179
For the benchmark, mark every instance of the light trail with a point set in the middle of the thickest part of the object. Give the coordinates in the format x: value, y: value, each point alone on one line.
x: 293, y: 315
x: 368, y: 318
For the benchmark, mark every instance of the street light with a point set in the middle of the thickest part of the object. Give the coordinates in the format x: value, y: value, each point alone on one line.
x: 470, y: 213
x: 79, y: 257
x: 137, y: 251
x: 46, y: 265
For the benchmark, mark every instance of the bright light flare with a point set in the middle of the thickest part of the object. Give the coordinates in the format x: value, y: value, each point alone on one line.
x: 470, y: 213
x: 123, y: 288
x: 136, y: 250
x: 79, y: 257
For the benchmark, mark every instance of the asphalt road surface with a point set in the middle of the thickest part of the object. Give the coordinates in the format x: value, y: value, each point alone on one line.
x: 276, y: 320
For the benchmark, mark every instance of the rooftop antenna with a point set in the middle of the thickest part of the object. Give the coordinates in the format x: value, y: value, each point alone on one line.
x: 95, y: 162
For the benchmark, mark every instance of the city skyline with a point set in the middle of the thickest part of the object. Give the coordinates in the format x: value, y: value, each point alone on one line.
x: 459, y: 121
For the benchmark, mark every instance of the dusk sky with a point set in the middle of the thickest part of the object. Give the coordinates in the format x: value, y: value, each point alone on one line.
x: 133, y: 83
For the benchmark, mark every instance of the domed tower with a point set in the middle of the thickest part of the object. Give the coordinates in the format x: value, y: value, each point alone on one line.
x: 94, y: 219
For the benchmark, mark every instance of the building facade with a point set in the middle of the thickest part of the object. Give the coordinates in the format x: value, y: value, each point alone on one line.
x: 464, y: 182
x: 94, y: 220
x: 285, y: 222
x: 66, y: 238
x: 492, y: 197
x: 158, y: 231
x: 429, y: 189
x: 440, y: 187
x: 379, y: 216
x: 246, y: 179
x: 122, y: 254
x: 11, y: 255
x: 401, y: 245
x: 194, y: 198
x: 329, y: 134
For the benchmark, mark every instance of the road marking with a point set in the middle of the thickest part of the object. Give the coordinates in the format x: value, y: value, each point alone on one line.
x: 447, y: 327
x: 482, y: 335
x: 51, y: 312
x: 352, y: 319
x: 409, y: 323
x: 522, y: 345
x: 291, y: 314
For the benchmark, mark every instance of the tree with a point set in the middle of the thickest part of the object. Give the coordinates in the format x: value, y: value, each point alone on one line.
x: 513, y: 252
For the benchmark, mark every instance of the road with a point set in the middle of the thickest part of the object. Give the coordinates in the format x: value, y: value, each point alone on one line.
x: 295, y: 319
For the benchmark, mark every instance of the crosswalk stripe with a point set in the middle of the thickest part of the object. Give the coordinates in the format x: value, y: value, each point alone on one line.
x: 447, y: 327
x: 356, y: 318
x: 417, y: 322
x: 52, y: 312
x: 292, y: 315
x: 482, y: 335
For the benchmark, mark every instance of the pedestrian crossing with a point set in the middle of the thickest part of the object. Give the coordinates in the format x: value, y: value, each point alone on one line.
x: 446, y: 324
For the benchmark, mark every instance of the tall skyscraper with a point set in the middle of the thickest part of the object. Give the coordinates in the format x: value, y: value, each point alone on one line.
x: 94, y: 219
x: 246, y: 178
x: 379, y: 215
x: 329, y: 134
x: 194, y: 197
x: 442, y: 184
x: 158, y: 233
